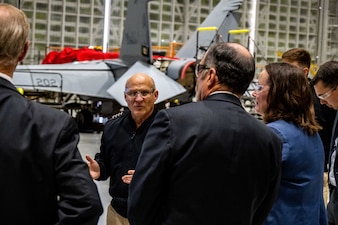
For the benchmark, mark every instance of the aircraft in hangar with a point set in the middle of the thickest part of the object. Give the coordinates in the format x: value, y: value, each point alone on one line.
x: 94, y: 80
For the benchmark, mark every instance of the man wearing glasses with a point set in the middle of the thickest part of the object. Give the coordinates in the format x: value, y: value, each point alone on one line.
x: 325, y: 84
x: 208, y: 162
x: 121, y: 143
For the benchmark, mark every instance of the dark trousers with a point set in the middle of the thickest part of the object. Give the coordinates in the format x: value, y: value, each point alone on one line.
x: 332, y: 207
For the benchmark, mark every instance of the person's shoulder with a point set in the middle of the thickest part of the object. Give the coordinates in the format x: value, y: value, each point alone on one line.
x: 285, y: 130
x: 188, y: 109
x: 283, y: 126
x: 186, y: 106
x: 46, y: 119
x: 40, y: 109
x: 117, y: 118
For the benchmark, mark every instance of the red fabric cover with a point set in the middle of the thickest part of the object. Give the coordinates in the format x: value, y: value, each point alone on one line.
x: 71, y: 55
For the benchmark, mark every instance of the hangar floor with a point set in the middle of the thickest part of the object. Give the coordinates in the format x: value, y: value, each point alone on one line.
x: 90, y: 144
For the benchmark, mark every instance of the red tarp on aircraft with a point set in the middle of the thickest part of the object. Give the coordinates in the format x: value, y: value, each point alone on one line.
x: 71, y: 55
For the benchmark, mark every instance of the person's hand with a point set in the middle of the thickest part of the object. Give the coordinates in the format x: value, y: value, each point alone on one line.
x: 94, y: 168
x: 127, y: 178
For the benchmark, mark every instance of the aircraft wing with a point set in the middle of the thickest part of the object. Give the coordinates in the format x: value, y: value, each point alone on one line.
x: 223, y: 17
x: 166, y: 86
x: 88, y: 78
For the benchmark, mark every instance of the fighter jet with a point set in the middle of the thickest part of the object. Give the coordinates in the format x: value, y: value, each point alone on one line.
x: 94, y: 80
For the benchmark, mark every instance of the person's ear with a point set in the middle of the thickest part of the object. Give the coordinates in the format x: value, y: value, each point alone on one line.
x: 155, y: 94
x: 24, y: 51
x: 306, y: 71
x: 212, y: 78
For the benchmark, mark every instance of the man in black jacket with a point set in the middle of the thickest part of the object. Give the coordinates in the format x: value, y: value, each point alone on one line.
x: 121, y: 144
x: 44, y: 180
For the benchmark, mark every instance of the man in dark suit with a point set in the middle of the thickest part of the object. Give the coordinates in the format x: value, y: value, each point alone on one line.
x: 44, y: 180
x: 325, y: 84
x: 208, y: 162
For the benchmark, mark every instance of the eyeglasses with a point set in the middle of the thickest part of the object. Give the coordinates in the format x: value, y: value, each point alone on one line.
x: 199, y: 68
x: 143, y: 93
x: 326, y: 94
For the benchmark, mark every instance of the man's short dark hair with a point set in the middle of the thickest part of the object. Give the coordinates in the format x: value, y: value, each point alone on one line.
x: 328, y: 74
x: 234, y: 68
x: 299, y: 55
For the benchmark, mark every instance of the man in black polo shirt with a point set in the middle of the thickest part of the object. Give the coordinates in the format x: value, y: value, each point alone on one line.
x: 121, y: 144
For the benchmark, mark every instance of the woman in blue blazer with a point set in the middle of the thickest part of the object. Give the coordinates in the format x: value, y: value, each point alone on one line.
x: 284, y: 98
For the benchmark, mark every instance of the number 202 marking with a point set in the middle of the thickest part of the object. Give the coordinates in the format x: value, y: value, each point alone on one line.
x: 45, y: 82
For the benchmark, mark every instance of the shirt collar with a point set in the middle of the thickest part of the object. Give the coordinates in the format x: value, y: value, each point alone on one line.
x: 224, y: 92
x: 6, y: 77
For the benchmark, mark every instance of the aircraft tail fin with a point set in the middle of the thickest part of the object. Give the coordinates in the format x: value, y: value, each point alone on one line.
x: 136, y: 43
x: 224, y: 17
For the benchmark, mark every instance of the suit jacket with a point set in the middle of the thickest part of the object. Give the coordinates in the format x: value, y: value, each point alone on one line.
x: 332, y: 149
x: 208, y: 162
x: 44, y: 180
x: 300, y: 197
x: 325, y: 117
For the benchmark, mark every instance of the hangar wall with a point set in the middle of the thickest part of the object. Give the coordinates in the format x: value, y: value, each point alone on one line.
x: 281, y: 24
